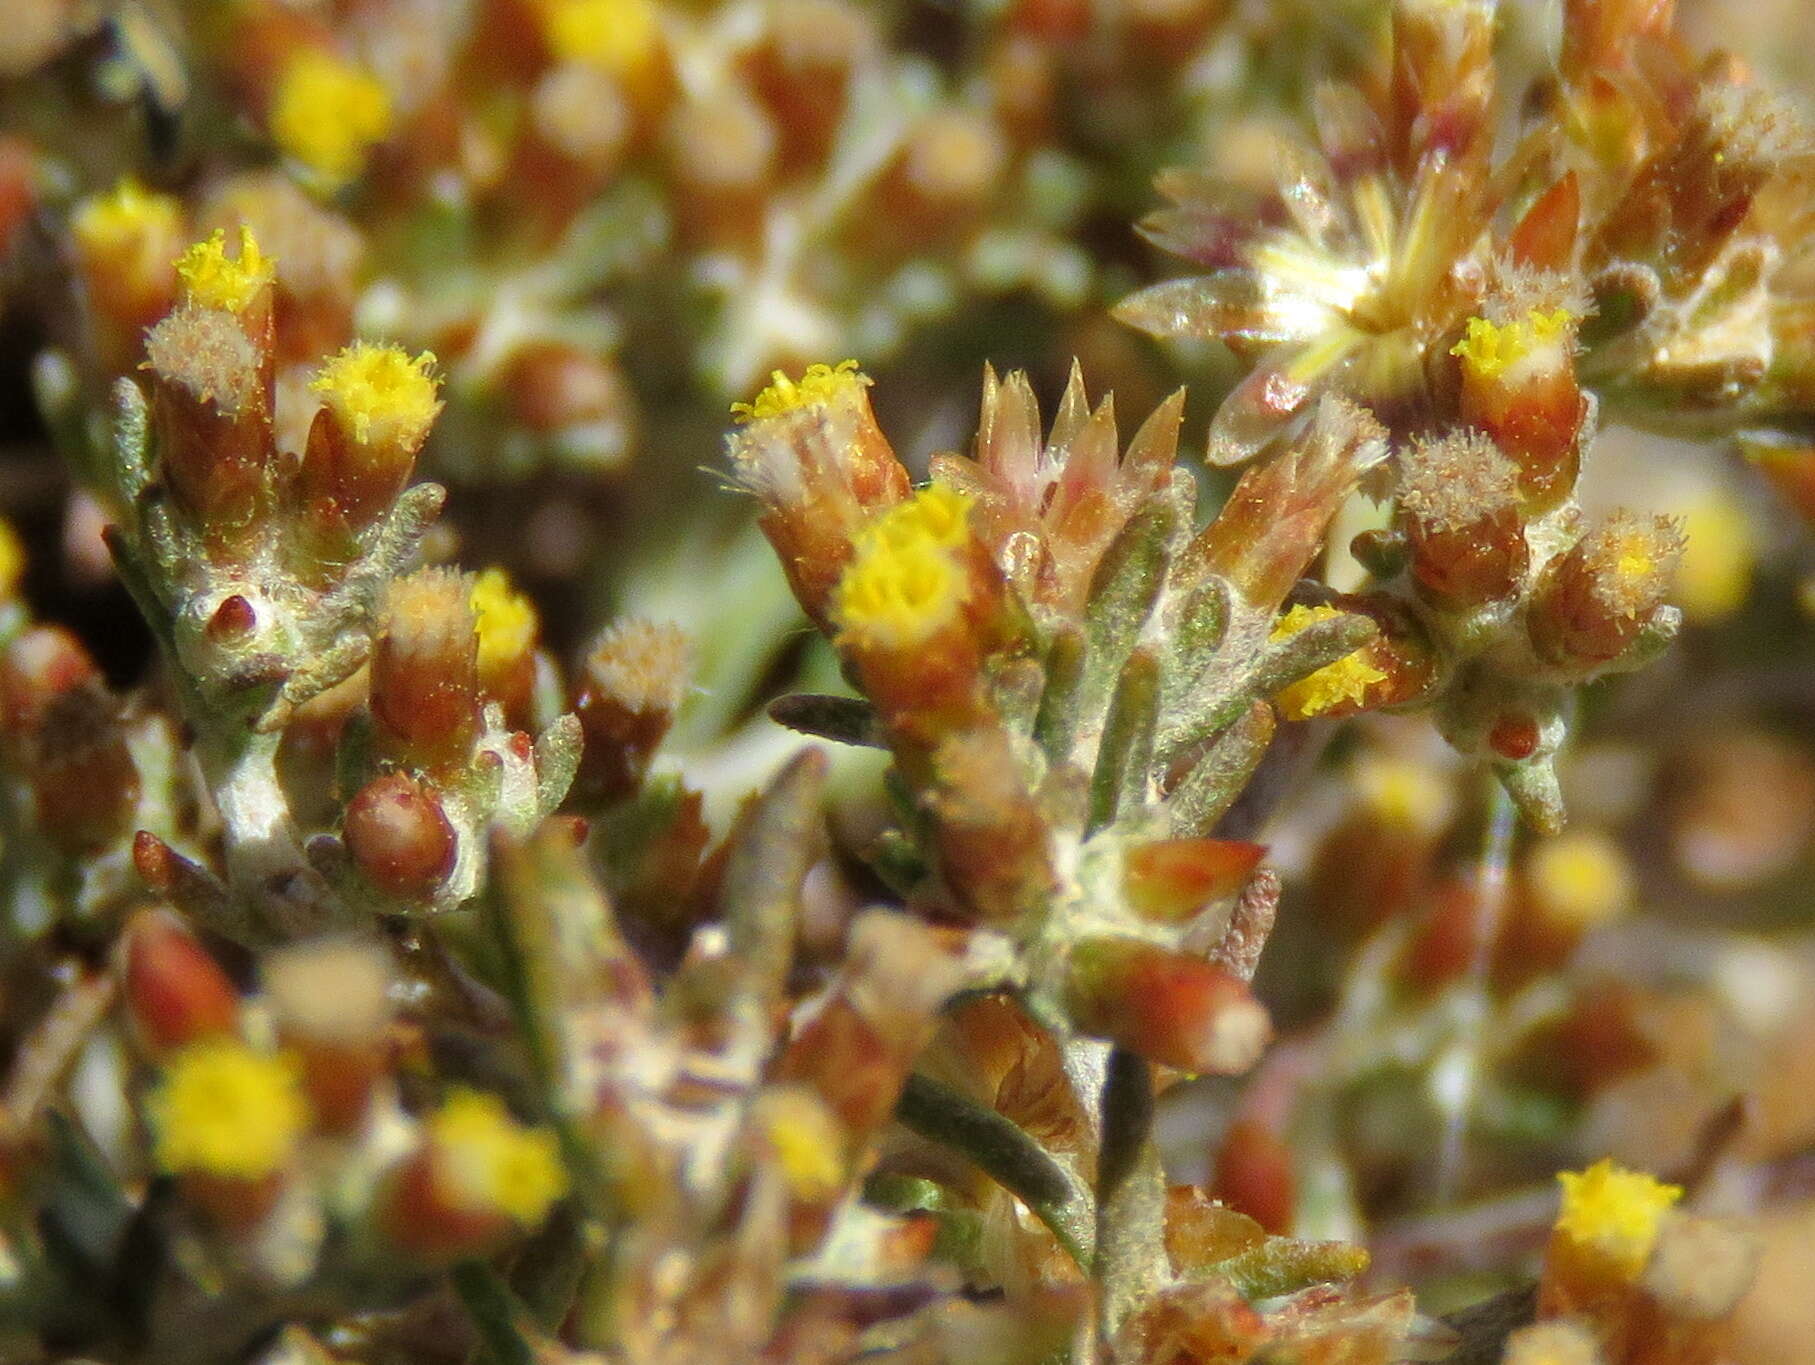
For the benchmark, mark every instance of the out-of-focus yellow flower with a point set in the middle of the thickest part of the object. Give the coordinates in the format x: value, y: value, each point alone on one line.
x: 1611, y: 1215
x: 1580, y: 879
x: 1715, y: 573
x: 328, y: 114
x: 223, y: 1109
x: 506, y: 622
x: 618, y: 36
x: 485, y: 1160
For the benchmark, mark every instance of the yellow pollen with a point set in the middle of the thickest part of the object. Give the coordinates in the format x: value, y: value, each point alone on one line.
x: 224, y: 1110
x: 486, y: 1161
x: 1580, y: 879
x: 327, y: 115
x: 506, y: 622
x: 899, y: 596
x: 821, y: 384
x: 935, y: 515
x: 618, y: 36
x: 1612, y: 1214
x: 806, y: 1141
x: 1335, y: 684
x: 128, y: 218
x: 383, y: 396
x: 1489, y: 349
x: 213, y: 280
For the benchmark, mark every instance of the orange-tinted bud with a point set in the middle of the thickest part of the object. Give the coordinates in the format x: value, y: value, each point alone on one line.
x: 1545, y: 238
x: 1254, y: 1173
x: 1459, y: 509
x: 1170, y: 1008
x: 40, y: 665
x: 398, y: 836
x: 124, y: 243
x: 330, y: 1000
x: 84, y: 781
x: 1519, y: 386
x: 425, y: 674
x: 377, y: 407
x: 173, y: 990
x: 991, y: 835
x: 630, y: 688
x: 1173, y: 879
x: 1596, y: 599
x: 211, y: 423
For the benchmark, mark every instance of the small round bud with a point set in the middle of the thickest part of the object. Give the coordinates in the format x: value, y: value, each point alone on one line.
x: 398, y: 836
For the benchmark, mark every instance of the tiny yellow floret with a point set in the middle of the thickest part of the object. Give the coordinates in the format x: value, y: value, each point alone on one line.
x: 935, y: 515
x: 898, y: 597
x: 128, y: 219
x: 379, y: 393
x: 618, y: 36
x: 1489, y: 349
x: 1580, y: 879
x: 506, y: 621
x: 223, y: 1109
x: 1612, y: 1214
x: 327, y: 115
x: 485, y: 1160
x: 820, y: 384
x: 212, y: 279
x: 1335, y: 684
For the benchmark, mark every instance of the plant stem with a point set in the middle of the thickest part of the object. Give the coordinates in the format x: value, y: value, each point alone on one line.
x: 1131, y: 1193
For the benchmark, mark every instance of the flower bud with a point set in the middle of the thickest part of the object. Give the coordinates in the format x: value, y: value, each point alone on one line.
x: 1459, y: 508
x: 398, y: 837
x: 1519, y: 386
x: 820, y: 467
x: 1172, y: 1009
x: 1254, y: 1173
x: 84, y: 782
x: 507, y: 627
x: 331, y: 1003
x: 1596, y: 598
x: 211, y: 424
x: 377, y: 407
x: 125, y: 241
x: 174, y: 992
x: 1604, y: 1234
x: 1172, y: 880
x: 630, y: 689
x: 425, y: 673
x: 39, y: 665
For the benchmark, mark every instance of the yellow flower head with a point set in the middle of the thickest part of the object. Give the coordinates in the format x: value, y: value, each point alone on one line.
x: 212, y: 279
x: 486, y: 1161
x: 906, y: 581
x: 506, y: 622
x: 936, y: 515
x: 327, y: 114
x: 1335, y: 684
x: 618, y: 36
x: 820, y: 384
x: 224, y: 1110
x: 1490, y: 349
x: 1581, y: 878
x: 1613, y: 1214
x: 1720, y: 550
x: 127, y: 220
x: 805, y: 1140
x: 12, y: 561
x: 385, y: 398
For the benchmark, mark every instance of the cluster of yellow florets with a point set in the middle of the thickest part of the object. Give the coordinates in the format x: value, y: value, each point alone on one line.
x: 1612, y: 1214
x: 223, y: 1109
x: 327, y: 114
x: 1581, y: 878
x: 615, y: 35
x: 380, y: 394
x: 1489, y: 349
x: 820, y: 384
x: 486, y: 1161
x: 907, y: 580
x: 505, y: 620
x: 1336, y: 684
x: 213, y: 279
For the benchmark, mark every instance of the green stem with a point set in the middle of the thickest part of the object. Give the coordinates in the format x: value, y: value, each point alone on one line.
x: 1131, y: 1193
x: 1003, y: 1151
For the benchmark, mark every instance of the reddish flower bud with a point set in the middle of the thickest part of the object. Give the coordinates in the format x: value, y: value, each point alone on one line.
x: 1519, y: 386
x: 1254, y: 1173
x: 425, y: 674
x: 1459, y: 508
x: 1173, y: 879
x: 1597, y: 598
x: 631, y: 686
x: 1173, y: 1009
x: 398, y: 836
x: 41, y: 664
x: 377, y: 407
x: 331, y: 1003
x: 173, y: 990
